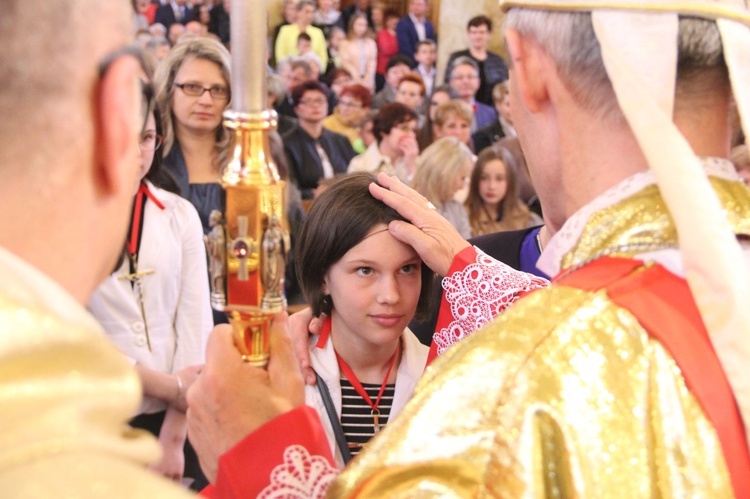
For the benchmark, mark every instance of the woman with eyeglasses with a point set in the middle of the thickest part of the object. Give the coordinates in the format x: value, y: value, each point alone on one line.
x: 314, y: 153
x: 192, y: 92
x: 155, y: 307
x: 352, y: 108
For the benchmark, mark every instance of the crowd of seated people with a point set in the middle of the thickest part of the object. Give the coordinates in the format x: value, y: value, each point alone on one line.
x: 355, y: 88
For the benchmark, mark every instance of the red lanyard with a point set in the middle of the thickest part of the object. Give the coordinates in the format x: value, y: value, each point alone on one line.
x: 375, y: 412
x: 135, y: 227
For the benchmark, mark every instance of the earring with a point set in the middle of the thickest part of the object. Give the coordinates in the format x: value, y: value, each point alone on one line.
x: 326, y: 304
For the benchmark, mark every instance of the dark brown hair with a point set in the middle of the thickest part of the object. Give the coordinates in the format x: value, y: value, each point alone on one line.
x: 339, y: 220
x: 478, y: 21
x: 300, y: 90
x: 391, y: 115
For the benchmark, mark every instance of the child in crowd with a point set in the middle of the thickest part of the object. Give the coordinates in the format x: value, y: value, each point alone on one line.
x: 305, y: 51
x: 443, y: 169
x: 369, y: 286
x: 493, y: 203
x: 425, y: 57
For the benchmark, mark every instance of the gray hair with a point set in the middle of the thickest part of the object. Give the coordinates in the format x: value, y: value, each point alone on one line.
x: 569, y: 39
x: 464, y: 60
x: 276, y: 87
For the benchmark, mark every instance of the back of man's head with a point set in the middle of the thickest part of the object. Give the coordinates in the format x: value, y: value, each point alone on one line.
x: 570, y: 40
x: 68, y: 145
x: 48, y: 72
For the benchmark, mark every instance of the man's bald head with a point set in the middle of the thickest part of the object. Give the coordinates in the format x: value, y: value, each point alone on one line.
x: 48, y: 71
x: 69, y: 136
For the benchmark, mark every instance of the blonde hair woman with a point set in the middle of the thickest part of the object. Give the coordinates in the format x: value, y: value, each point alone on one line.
x: 192, y: 91
x: 453, y: 119
x: 359, y: 53
x: 442, y: 170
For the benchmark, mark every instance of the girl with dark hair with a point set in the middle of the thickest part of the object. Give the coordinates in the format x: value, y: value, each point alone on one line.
x: 369, y: 286
x: 155, y: 306
x: 493, y: 203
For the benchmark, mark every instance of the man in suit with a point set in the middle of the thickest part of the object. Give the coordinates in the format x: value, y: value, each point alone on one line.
x: 464, y: 80
x: 503, y: 127
x: 492, y: 69
x: 175, y: 11
x: 414, y: 28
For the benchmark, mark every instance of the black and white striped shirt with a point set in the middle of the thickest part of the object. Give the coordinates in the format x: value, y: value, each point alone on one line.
x: 356, y: 416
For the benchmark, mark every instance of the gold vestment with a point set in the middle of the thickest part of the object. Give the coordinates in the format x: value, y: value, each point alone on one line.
x: 66, y: 394
x: 563, y: 395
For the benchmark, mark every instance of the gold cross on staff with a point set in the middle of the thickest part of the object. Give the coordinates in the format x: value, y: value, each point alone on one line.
x: 137, y: 279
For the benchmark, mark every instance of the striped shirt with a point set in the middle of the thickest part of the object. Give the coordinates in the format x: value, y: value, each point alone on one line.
x: 356, y: 417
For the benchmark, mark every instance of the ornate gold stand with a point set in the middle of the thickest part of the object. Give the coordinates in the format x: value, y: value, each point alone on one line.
x: 249, y: 243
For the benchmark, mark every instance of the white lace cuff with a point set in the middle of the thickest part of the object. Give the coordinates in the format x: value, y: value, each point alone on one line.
x: 479, y: 292
x: 300, y: 476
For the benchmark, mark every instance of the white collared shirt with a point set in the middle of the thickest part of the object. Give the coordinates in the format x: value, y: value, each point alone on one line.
x: 420, y: 26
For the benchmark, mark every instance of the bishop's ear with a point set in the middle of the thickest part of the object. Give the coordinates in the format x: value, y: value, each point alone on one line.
x: 528, y: 66
x: 119, y: 120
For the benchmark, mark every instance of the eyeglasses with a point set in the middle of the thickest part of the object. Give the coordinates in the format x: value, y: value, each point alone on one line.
x: 150, y: 141
x: 350, y: 103
x: 197, y: 90
x: 406, y: 93
x: 464, y: 77
x: 314, y: 102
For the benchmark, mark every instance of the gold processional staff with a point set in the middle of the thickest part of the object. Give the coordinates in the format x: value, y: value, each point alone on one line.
x: 249, y: 242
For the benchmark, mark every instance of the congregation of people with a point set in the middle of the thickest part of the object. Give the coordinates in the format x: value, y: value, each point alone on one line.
x: 357, y: 93
x: 390, y: 172
x: 342, y: 82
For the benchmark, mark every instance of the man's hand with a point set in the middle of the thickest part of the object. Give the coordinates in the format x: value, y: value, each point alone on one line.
x: 231, y: 399
x: 434, y: 238
x: 301, y: 324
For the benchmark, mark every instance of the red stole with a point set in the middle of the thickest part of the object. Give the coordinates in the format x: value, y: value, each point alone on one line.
x: 664, y: 306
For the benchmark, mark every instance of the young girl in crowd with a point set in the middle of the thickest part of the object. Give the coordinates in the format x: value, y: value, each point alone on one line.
x: 369, y: 286
x: 359, y: 52
x: 493, y: 203
x: 443, y: 169
x: 155, y: 307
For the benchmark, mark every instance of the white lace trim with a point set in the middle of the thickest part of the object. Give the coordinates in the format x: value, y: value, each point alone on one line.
x: 300, y: 476
x: 478, y: 293
x: 564, y: 241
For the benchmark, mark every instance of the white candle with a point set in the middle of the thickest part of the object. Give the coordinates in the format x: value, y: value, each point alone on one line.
x: 249, y: 72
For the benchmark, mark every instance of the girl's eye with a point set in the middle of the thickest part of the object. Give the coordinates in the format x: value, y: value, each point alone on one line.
x: 364, y: 271
x: 409, y: 269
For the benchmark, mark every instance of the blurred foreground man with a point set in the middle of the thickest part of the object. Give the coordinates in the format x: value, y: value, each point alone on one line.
x: 68, y: 156
x: 627, y: 376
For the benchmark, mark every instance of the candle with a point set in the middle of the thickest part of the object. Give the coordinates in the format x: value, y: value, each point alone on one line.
x: 248, y: 28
